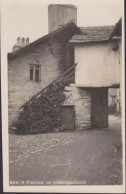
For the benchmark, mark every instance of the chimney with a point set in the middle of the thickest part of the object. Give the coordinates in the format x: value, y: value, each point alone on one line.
x: 20, y: 43
x: 18, y: 40
x: 23, y: 41
x: 27, y: 41
x: 61, y: 14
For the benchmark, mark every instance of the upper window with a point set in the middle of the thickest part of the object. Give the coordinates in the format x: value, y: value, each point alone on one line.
x: 114, y: 99
x: 35, y: 72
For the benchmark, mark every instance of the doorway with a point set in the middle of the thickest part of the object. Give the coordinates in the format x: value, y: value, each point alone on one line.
x: 68, y: 117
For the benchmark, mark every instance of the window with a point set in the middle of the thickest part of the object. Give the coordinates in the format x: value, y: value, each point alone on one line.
x: 35, y: 73
x: 31, y: 72
x: 113, y: 99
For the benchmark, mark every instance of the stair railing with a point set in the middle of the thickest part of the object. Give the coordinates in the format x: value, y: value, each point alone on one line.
x: 61, y: 76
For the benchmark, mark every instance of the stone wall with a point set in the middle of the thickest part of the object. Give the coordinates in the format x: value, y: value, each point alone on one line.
x: 81, y: 99
x: 53, y: 58
x: 83, y: 109
x: 18, y: 94
x: 91, y: 106
x: 99, y: 107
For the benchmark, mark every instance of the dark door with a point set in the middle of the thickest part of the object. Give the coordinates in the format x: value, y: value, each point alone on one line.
x: 67, y: 116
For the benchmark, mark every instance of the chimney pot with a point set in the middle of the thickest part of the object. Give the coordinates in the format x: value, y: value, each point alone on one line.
x: 18, y: 40
x: 27, y: 41
x: 23, y: 41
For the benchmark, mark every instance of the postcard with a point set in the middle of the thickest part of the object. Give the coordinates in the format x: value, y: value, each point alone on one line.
x: 63, y: 96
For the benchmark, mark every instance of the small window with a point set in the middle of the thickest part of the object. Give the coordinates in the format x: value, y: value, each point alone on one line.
x: 31, y: 72
x: 113, y: 99
x: 35, y: 73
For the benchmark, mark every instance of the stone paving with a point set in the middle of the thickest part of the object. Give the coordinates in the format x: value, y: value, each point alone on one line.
x: 94, y: 156
x: 21, y: 147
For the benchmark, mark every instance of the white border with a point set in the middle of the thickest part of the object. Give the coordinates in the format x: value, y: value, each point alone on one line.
x: 4, y: 88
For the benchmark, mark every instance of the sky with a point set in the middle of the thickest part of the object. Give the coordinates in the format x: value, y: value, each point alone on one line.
x: 29, y: 18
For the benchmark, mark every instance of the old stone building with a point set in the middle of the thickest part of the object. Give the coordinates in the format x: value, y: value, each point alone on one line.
x: 32, y: 67
x: 36, y: 65
x: 98, y: 68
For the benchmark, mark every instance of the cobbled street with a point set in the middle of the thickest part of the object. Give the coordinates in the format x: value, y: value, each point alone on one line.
x: 91, y: 157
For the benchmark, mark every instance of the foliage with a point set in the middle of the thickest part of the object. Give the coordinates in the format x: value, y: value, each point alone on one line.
x: 42, y: 113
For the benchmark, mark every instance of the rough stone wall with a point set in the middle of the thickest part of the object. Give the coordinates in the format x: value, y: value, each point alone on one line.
x: 81, y: 99
x: 91, y: 106
x: 83, y: 109
x: 99, y: 107
x: 18, y: 94
x: 51, y: 56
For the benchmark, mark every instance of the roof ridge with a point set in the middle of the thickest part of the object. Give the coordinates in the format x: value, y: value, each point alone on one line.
x: 46, y: 36
x: 53, y: 32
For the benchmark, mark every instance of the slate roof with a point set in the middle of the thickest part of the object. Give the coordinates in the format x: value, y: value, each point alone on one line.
x: 92, y: 34
x: 117, y: 31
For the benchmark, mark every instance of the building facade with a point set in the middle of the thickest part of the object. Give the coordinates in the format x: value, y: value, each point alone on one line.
x: 36, y: 65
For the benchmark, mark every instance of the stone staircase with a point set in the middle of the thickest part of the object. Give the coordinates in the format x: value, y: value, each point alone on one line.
x: 39, y: 111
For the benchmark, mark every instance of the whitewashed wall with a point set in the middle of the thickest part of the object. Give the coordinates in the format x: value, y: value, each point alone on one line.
x: 97, y: 65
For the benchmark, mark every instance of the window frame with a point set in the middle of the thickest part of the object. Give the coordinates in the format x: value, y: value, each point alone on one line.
x: 33, y: 66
